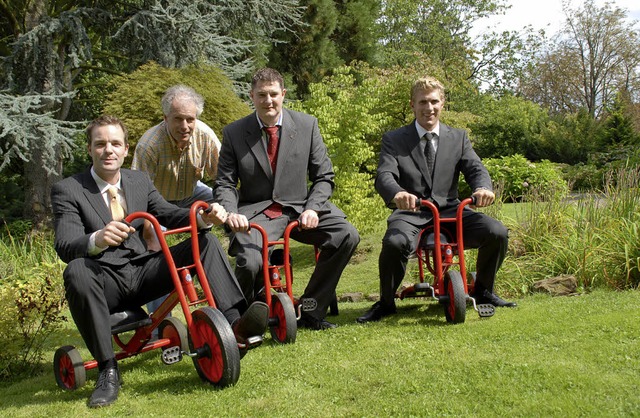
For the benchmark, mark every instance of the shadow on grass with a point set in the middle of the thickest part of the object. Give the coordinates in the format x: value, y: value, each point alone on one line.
x: 181, y: 378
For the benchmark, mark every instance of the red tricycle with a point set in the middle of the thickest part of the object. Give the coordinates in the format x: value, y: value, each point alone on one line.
x: 208, y: 338
x: 439, y: 249
x: 284, y: 308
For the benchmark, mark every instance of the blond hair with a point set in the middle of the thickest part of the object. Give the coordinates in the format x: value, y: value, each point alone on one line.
x: 427, y: 84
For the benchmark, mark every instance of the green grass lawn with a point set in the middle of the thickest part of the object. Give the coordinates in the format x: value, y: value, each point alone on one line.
x: 565, y: 356
x: 562, y: 356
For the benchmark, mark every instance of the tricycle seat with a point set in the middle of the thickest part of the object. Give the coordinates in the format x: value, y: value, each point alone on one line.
x: 427, y: 241
x: 128, y: 320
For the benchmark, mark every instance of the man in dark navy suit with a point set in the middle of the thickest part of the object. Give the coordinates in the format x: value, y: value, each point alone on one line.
x: 423, y: 160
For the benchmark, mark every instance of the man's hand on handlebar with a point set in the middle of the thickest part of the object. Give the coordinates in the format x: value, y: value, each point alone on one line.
x: 113, y: 234
x: 483, y: 198
x: 406, y: 201
x: 237, y: 222
x: 215, y: 214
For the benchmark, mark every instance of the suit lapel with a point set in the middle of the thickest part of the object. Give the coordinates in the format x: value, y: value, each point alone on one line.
x: 134, y: 203
x: 93, y: 195
x: 253, y: 138
x: 413, y: 141
x: 288, y: 134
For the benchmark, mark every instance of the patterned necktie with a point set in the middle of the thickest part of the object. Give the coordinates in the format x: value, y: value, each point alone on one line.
x: 429, y: 153
x: 272, y: 146
x: 275, y: 209
x: 117, y: 212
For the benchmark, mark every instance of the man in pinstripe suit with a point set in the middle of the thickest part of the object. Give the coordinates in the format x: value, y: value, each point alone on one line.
x: 109, y: 267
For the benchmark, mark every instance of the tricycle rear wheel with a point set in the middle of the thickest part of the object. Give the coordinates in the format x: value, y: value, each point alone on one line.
x: 68, y: 368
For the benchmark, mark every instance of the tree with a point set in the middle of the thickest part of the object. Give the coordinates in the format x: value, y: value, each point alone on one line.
x: 308, y: 54
x: 54, y: 45
x: 24, y: 122
x: 508, y: 125
x: 618, y: 127
x: 594, y: 56
x: 356, y: 36
x: 440, y: 31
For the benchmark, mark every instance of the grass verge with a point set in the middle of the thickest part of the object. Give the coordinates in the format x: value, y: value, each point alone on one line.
x: 570, y: 356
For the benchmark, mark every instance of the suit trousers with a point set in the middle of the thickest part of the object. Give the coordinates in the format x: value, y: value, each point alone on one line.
x: 480, y: 231
x: 335, y: 237
x: 95, y: 289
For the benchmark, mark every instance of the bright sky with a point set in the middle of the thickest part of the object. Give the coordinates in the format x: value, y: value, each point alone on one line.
x: 545, y: 14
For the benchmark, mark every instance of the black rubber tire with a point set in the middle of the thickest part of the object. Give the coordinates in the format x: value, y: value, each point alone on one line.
x: 456, y: 308
x: 173, y: 329
x: 210, y: 335
x: 286, y: 328
x: 68, y: 368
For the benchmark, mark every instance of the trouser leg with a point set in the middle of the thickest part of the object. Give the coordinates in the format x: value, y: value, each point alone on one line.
x: 336, y: 239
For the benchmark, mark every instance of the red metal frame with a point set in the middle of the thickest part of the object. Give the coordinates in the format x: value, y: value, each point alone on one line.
x: 183, y: 293
x: 433, y: 259
x: 271, y: 274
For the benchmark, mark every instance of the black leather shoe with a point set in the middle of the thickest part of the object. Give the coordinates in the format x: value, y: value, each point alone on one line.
x: 377, y: 312
x: 252, y: 323
x: 309, y: 322
x: 493, y: 299
x: 107, y: 388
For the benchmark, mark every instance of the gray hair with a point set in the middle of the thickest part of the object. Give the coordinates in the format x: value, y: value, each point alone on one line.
x: 181, y: 92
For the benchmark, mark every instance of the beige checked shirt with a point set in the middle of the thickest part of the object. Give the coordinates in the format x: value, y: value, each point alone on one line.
x: 175, y: 172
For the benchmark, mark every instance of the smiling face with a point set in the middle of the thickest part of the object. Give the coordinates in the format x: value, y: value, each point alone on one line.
x: 108, y: 149
x: 181, y: 120
x: 427, y: 105
x: 267, y: 97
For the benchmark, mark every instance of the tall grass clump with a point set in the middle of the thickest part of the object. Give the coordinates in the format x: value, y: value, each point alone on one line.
x: 594, y: 237
x: 31, y: 301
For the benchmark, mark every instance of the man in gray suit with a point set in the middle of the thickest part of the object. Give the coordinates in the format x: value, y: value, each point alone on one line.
x: 109, y: 267
x: 266, y: 162
x: 423, y: 160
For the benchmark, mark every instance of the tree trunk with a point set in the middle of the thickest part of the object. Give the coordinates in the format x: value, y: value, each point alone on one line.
x: 38, y: 185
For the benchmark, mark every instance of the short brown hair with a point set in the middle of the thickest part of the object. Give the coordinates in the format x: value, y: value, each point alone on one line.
x: 269, y: 75
x: 427, y: 84
x: 106, y: 120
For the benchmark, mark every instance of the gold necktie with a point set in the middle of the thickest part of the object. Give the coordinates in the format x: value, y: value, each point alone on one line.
x: 117, y: 212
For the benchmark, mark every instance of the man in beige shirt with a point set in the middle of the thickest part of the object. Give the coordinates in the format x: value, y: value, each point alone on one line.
x: 176, y: 154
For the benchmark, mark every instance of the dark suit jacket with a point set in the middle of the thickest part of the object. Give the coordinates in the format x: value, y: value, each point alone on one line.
x: 402, y: 167
x: 79, y: 210
x: 302, y: 159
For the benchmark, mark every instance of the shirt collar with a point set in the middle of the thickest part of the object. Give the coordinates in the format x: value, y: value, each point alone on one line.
x: 422, y: 131
x: 262, y: 125
x: 103, y: 185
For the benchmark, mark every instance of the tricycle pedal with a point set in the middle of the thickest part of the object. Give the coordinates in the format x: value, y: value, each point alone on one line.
x: 249, y: 343
x: 486, y: 310
x: 171, y: 355
x: 422, y: 287
x: 308, y: 304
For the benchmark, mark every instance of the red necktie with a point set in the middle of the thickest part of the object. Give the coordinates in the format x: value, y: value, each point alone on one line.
x: 272, y: 146
x: 275, y: 209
